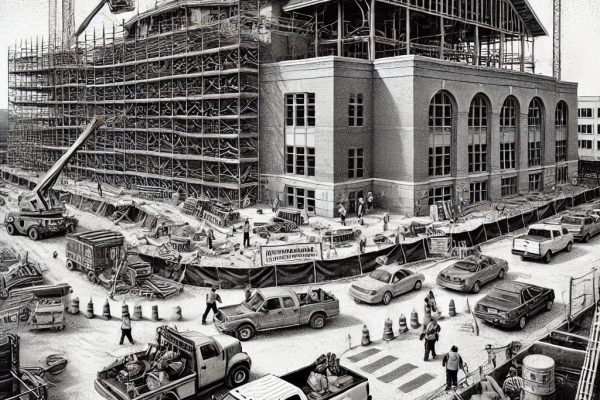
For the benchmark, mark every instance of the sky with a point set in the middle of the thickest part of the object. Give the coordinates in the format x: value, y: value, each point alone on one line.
x: 24, y: 19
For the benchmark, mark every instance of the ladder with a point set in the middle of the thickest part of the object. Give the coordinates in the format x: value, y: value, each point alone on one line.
x: 585, y: 389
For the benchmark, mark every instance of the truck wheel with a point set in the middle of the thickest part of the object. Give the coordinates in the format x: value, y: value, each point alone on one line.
x: 317, y: 321
x: 418, y: 285
x: 501, y: 274
x: 570, y: 244
x: 522, y: 322
x: 71, y: 265
x: 10, y: 229
x: 476, y: 287
x: 548, y: 257
x: 387, y: 297
x: 238, y: 375
x: 91, y: 275
x: 245, y: 332
x: 33, y: 233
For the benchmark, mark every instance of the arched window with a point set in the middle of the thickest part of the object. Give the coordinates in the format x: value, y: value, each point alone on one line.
x: 535, y: 133
x: 440, y: 134
x: 560, y: 126
x: 478, y: 122
x: 508, y: 133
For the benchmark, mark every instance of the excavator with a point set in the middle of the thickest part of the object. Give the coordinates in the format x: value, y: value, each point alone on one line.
x: 37, y: 218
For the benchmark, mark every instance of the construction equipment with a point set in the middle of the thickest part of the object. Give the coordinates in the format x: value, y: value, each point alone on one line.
x: 36, y: 217
x: 21, y: 274
x: 16, y: 382
x: 115, y: 6
x: 587, y: 379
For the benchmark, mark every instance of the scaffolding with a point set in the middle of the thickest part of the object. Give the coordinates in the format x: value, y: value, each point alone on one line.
x: 178, y: 86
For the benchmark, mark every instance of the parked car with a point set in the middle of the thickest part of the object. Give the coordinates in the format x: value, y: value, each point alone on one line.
x: 542, y: 241
x: 181, y: 365
x: 293, y: 386
x: 582, y: 226
x: 385, y: 282
x: 273, y: 308
x: 512, y: 303
x: 471, y: 273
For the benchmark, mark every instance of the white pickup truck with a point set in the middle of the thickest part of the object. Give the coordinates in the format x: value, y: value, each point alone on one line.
x: 542, y: 241
x: 293, y: 386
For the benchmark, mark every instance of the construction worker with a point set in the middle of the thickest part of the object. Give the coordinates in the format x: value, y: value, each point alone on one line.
x: 246, y: 230
x: 211, y: 303
x: 431, y: 334
x: 513, y: 384
x: 342, y: 211
x: 453, y: 362
x: 362, y: 244
x: 386, y: 220
x: 370, y: 202
x: 361, y: 210
x: 210, y: 236
x: 126, y: 329
x: 99, y: 188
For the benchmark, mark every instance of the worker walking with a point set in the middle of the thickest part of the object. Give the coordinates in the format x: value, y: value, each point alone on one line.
x: 246, y: 233
x: 431, y: 334
x: 453, y: 362
x: 513, y: 385
x: 126, y: 329
x: 211, y: 303
x: 342, y: 211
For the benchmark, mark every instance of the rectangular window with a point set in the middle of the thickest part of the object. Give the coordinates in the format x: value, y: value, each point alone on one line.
x: 300, y: 109
x: 300, y: 198
x: 535, y: 182
x: 586, y: 129
x: 534, y: 150
x: 439, y: 163
x: 477, y: 157
x: 585, y: 144
x: 508, y: 186
x: 507, y: 155
x: 443, y: 193
x: 585, y: 113
x: 300, y: 134
x: 356, y: 110
x: 562, y: 174
x: 477, y: 192
x: 561, y: 150
x: 300, y: 160
x: 356, y: 163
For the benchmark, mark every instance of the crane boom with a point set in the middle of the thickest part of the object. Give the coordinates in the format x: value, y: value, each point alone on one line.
x: 35, y: 200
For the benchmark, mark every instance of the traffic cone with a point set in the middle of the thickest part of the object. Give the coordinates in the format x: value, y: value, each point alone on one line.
x: 137, y: 312
x: 403, y: 328
x: 451, y: 308
x: 74, y: 309
x: 124, y: 310
x: 414, y: 319
x: 468, y: 307
x: 388, y: 332
x: 177, y: 313
x: 106, y: 310
x: 366, y: 339
x: 155, y: 313
x: 90, y: 309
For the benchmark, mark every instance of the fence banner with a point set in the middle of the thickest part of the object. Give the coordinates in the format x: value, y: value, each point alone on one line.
x: 458, y: 237
x: 530, y: 217
x: 478, y: 235
x: 414, y: 251
x: 234, y: 278
x: 297, y: 274
x: 579, y: 199
x: 503, y: 224
x: 290, y: 253
x: 546, y: 211
x: 263, y: 277
x: 492, y: 230
x: 560, y: 205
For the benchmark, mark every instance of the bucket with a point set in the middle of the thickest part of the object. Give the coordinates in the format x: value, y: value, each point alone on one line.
x: 538, y: 375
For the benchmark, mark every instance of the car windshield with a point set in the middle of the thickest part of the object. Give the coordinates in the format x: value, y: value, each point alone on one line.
x: 540, y: 232
x: 254, y: 302
x: 380, y: 275
x: 466, y: 266
x: 572, y: 220
x: 506, y: 296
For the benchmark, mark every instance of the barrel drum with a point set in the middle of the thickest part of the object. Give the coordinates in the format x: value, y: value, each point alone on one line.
x: 538, y: 377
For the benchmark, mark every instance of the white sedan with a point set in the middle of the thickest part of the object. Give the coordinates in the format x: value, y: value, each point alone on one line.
x: 385, y: 282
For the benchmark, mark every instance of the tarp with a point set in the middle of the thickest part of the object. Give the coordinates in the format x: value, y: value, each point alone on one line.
x: 546, y: 211
x: 478, y: 235
x: 458, y: 237
x: 415, y: 251
x: 560, y: 205
x: 503, y: 224
x: 492, y: 230
x: 295, y: 274
x: 530, y: 217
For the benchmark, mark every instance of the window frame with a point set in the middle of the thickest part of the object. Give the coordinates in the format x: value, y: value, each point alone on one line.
x: 354, y: 160
x: 356, y: 110
x: 561, y: 122
x: 478, y: 191
x: 294, y: 193
x: 509, y: 130
x: 441, y: 130
x: 508, y: 186
x: 535, y: 133
x: 434, y: 197
x: 478, y: 132
x: 535, y: 182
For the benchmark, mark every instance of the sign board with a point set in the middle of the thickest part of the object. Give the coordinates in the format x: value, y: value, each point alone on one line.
x: 290, y: 253
x: 439, y: 245
x: 213, y: 218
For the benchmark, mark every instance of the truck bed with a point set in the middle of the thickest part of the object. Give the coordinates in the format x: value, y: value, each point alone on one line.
x: 299, y: 379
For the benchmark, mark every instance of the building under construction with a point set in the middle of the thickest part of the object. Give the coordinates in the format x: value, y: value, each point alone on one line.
x: 416, y: 101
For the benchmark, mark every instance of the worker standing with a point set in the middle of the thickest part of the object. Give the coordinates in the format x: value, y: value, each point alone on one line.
x: 431, y: 334
x: 513, y: 385
x: 362, y: 243
x: 99, y: 188
x: 370, y: 202
x: 342, y: 211
x: 361, y: 210
x: 126, y: 329
x: 211, y: 303
x: 453, y: 362
x: 386, y: 220
x: 210, y: 236
x: 246, y: 233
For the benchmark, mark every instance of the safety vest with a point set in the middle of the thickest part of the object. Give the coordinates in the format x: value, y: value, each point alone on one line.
x: 453, y: 361
x: 431, y: 332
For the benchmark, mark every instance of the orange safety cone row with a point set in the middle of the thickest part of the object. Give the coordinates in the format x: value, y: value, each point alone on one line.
x: 388, y: 332
x: 452, y: 308
x: 414, y: 319
x: 366, y: 338
x: 137, y: 312
x: 74, y: 307
x: 90, y: 310
x: 403, y: 327
x: 155, y: 313
x: 106, y: 311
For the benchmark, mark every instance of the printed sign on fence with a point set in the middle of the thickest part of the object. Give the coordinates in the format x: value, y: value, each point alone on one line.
x: 289, y: 253
x: 439, y: 245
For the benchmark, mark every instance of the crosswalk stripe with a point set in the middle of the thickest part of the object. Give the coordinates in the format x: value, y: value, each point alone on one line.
x: 397, y: 373
x: 378, y: 364
x: 363, y: 354
x: 415, y: 383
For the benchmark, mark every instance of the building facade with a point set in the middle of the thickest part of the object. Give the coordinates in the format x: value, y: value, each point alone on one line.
x: 588, y: 127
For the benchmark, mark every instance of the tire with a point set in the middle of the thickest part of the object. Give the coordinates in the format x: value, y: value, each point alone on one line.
x: 33, y: 233
x: 522, y: 322
x: 570, y: 244
x: 549, y: 305
x: 476, y: 287
x: 548, y: 257
x: 245, y: 332
x: 317, y: 321
x: 418, y: 285
x: 357, y: 301
x: 238, y: 375
x: 91, y: 275
x: 71, y: 266
x: 387, y: 297
x: 501, y: 274
x: 10, y: 229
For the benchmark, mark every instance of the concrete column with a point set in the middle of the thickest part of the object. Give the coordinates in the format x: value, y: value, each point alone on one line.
x: 522, y: 165
x: 494, y: 142
x: 461, y: 158
x: 407, y: 31
x: 372, y: 32
x: 339, y: 29
x: 442, y: 38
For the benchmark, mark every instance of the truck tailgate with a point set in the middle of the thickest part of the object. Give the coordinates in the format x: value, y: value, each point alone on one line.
x: 528, y: 246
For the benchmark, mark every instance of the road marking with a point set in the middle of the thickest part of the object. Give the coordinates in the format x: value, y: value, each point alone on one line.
x: 397, y: 373
x: 378, y: 364
x: 364, y: 354
x: 416, y: 383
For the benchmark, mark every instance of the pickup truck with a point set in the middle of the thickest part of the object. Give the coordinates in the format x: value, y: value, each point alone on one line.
x: 294, y: 386
x: 273, y: 308
x: 542, y: 241
x: 181, y: 365
x: 582, y: 226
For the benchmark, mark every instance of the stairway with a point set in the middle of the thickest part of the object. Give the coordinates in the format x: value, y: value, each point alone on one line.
x: 585, y: 389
